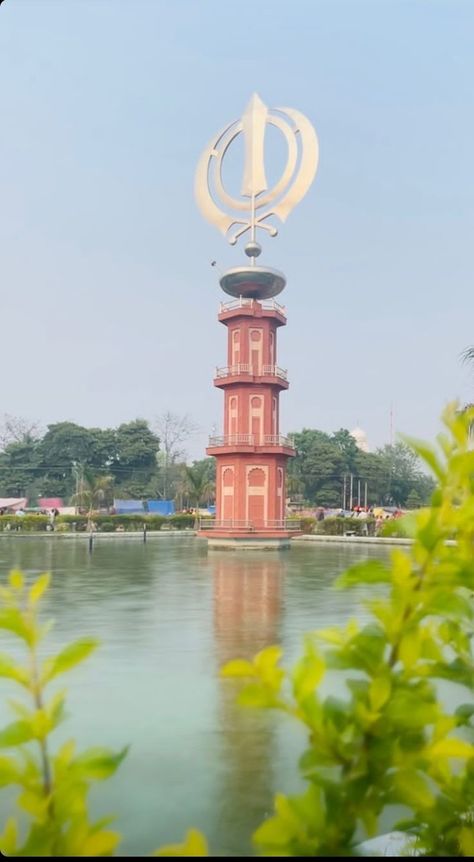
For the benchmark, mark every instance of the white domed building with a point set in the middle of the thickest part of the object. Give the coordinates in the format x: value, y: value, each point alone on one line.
x: 360, y: 438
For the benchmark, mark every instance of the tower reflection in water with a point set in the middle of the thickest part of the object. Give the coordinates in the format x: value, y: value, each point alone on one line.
x: 247, y: 608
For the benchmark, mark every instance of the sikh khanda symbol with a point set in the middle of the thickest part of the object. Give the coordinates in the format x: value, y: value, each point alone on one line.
x: 257, y: 203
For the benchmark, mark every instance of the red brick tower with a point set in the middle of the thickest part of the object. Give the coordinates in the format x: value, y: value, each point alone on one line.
x: 251, y: 453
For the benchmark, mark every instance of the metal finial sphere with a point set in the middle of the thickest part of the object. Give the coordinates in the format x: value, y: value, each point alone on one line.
x: 253, y: 249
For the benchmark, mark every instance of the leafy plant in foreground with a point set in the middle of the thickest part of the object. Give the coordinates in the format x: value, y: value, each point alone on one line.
x: 391, y: 740
x: 53, y: 788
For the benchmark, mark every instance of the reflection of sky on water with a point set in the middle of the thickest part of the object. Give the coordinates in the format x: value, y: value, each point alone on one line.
x: 169, y: 615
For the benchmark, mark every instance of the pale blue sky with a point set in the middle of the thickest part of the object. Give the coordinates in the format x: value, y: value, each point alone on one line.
x: 108, y: 299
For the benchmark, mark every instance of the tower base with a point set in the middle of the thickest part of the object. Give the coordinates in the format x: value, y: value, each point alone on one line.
x: 252, y: 541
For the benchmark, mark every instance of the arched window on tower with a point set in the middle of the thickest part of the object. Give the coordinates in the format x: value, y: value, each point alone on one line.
x: 256, y: 418
x: 233, y: 419
x: 235, y: 359
x: 255, y: 350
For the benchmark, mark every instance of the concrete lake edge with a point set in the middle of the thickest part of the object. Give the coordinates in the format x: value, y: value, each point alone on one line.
x: 163, y: 534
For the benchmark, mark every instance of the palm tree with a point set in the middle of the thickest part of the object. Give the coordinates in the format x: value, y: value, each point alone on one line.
x: 92, y: 491
x: 467, y: 355
x: 198, y: 485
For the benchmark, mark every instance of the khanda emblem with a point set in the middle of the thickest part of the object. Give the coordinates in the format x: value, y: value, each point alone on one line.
x: 258, y: 204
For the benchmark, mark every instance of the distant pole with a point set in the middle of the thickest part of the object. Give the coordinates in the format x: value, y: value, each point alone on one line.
x: 358, y: 493
x: 365, y: 497
x: 144, y: 534
x: 344, y: 493
x: 91, y: 542
x: 350, y: 493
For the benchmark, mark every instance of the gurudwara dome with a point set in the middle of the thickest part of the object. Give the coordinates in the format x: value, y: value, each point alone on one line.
x: 361, y: 439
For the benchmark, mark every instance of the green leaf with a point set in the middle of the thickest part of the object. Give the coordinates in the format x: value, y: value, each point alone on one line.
x: 466, y: 840
x: 430, y: 535
x: 33, y: 803
x: 101, y: 843
x: 369, y: 572
x: 39, y: 587
x: 379, y: 692
x: 451, y: 748
x: 410, y: 648
x: 10, y: 670
x: 266, y: 665
x: 266, y: 660
x: 13, y: 621
x: 98, y: 763
x: 307, y: 674
x: 66, y: 753
x: 336, y: 711
x: 194, y: 844
x: 9, y: 837
x: 70, y: 657
x: 238, y: 668
x: 273, y: 834
x: 16, y: 579
x: 450, y: 604
x: 409, y: 711
x: 40, y: 840
x: 428, y: 455
x: 16, y: 734
x: 411, y: 789
x: 256, y: 695
x: 9, y: 771
x: 55, y: 709
x: 40, y: 724
x: 333, y: 635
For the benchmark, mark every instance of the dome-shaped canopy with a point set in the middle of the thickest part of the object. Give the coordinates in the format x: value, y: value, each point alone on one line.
x: 360, y: 437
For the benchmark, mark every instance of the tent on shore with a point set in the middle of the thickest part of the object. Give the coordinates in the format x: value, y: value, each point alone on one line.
x: 13, y: 504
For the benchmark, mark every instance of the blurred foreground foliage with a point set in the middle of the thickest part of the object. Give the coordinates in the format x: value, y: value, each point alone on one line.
x: 53, y: 788
x: 392, y: 740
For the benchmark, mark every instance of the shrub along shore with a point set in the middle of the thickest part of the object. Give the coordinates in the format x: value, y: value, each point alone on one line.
x: 334, y: 527
x: 102, y: 523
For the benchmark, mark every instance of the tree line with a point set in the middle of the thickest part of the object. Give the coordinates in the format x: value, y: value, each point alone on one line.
x: 133, y: 460
x: 143, y: 462
x: 324, y: 461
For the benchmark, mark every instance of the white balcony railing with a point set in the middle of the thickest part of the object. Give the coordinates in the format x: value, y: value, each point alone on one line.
x: 250, y: 440
x: 275, y: 371
x: 234, y: 370
x: 242, y: 302
x: 250, y: 526
x: 276, y: 440
x: 245, y: 368
x: 232, y: 440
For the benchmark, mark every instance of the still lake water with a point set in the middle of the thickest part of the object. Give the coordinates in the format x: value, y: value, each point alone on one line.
x: 168, y: 615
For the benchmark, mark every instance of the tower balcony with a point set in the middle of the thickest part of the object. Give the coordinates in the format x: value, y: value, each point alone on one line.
x: 245, y: 373
x: 252, y: 308
x: 265, y: 444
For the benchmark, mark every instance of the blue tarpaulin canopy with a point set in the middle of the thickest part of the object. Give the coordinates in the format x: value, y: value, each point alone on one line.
x: 128, y: 507
x: 161, y: 507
